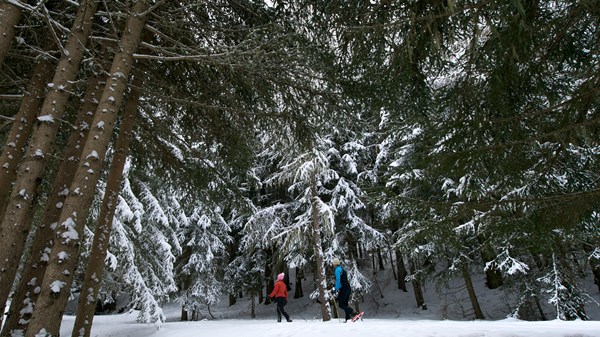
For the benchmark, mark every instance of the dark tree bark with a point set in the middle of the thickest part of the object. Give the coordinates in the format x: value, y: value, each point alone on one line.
x: 318, y: 251
x: 472, y: 294
x: 380, y: 259
x: 35, y: 267
x: 9, y: 17
x: 17, y: 218
x: 21, y: 129
x: 595, y: 265
x: 298, y: 292
x: 63, y: 259
x: 417, y: 287
x: 401, y: 271
x: 95, y: 267
x: 269, y: 277
x: 493, y: 276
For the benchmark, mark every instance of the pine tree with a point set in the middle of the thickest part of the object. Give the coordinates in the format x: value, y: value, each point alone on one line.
x: 204, y: 238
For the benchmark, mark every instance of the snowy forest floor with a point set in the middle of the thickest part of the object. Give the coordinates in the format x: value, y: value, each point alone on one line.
x: 388, y: 311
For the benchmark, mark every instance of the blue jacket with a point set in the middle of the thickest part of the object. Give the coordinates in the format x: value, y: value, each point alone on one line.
x: 341, y: 278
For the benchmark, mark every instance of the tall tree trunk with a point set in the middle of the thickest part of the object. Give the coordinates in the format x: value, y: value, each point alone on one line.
x: 417, y: 286
x: 95, y: 267
x: 63, y: 260
x: 253, y: 305
x: 298, y: 292
x: 380, y: 259
x: 318, y: 249
x: 9, y: 17
x: 184, y: 314
x: 269, y: 275
x: 391, y: 253
x: 401, y: 271
x: 352, y: 247
x: 35, y: 267
x: 17, y: 218
x: 21, y: 129
x: 472, y: 295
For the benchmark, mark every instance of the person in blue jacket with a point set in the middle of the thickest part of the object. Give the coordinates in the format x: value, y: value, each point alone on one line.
x: 342, y: 288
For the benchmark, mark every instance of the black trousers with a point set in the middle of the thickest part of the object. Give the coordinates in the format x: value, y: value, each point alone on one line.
x: 281, y: 302
x: 343, y: 298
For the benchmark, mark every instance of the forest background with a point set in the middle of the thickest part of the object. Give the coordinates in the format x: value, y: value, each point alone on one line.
x: 188, y: 150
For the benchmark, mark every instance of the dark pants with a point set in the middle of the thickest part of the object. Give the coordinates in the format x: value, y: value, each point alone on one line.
x: 343, y: 298
x: 281, y: 302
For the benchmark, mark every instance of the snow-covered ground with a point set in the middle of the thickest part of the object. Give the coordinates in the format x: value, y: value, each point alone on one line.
x: 124, y: 325
x: 389, y: 312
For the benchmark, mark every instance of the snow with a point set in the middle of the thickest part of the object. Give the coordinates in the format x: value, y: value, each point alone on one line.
x: 93, y: 155
x: 125, y: 325
x: 46, y: 118
x: 57, y: 285
x: 392, y: 315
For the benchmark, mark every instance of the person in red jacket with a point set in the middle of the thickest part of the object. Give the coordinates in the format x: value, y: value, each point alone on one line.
x: 280, y: 296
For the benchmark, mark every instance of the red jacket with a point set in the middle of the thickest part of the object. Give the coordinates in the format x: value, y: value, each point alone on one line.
x: 280, y: 290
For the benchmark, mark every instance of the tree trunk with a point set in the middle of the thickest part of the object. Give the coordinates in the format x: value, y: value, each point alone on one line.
x: 472, y: 295
x: 417, y: 287
x: 298, y: 292
x: 253, y: 305
x: 493, y: 276
x: 380, y: 259
x: 184, y: 314
x: 391, y: 253
x: 63, y: 261
x: 17, y: 218
x: 33, y: 272
x: 269, y: 277
x: 21, y: 129
x: 321, y: 280
x: 9, y: 17
x: 95, y: 267
x: 595, y: 265
x: 352, y: 247
x: 401, y: 271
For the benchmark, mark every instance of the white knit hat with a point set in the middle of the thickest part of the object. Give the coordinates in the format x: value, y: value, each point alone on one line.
x: 336, y: 262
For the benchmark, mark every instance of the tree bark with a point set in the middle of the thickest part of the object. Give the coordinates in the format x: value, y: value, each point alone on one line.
x: 55, y: 290
x: 35, y: 267
x: 417, y: 287
x: 318, y: 250
x: 253, y: 305
x: 380, y: 259
x: 595, y: 265
x: 184, y: 314
x: 401, y: 271
x: 298, y: 292
x: 269, y: 275
x: 472, y: 295
x: 17, y: 218
x: 9, y: 17
x: 493, y: 276
x: 21, y: 129
x: 95, y: 267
